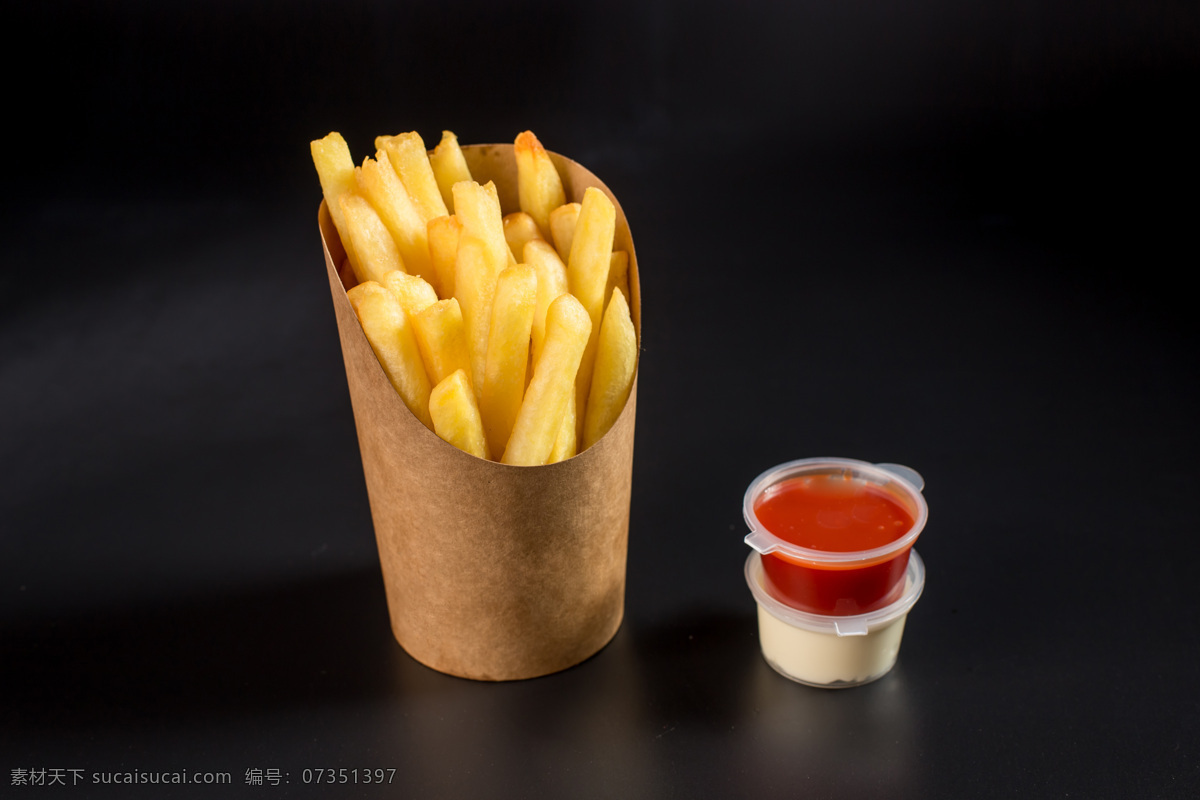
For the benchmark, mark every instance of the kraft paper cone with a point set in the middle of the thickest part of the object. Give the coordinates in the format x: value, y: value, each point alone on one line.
x: 492, y: 572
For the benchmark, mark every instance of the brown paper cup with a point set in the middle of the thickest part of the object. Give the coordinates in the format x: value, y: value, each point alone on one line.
x: 492, y: 572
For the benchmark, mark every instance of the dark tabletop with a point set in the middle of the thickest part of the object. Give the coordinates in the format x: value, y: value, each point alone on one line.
x: 954, y: 236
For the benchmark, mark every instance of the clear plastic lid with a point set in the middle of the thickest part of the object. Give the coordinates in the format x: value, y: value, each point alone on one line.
x: 901, y: 482
x: 856, y: 625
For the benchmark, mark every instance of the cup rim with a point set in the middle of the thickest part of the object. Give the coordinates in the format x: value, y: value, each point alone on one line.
x: 852, y: 625
x: 765, y: 542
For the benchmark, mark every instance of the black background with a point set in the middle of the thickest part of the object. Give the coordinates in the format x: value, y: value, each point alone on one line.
x: 958, y: 236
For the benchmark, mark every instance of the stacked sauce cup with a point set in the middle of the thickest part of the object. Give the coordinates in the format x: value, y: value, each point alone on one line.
x: 833, y: 570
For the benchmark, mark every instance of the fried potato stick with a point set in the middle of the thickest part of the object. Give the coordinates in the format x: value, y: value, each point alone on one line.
x: 519, y: 228
x: 377, y: 254
x: 551, y: 282
x: 449, y: 167
x: 391, y: 336
x: 539, y: 187
x: 456, y: 416
x: 562, y: 228
x: 407, y: 154
x: 616, y: 358
x: 566, y: 444
x: 478, y: 209
x: 618, y: 274
x: 475, y: 287
x: 442, y: 340
x: 379, y: 183
x: 443, y: 234
x: 540, y: 418
x: 587, y: 277
x: 335, y: 168
x: 414, y: 294
x: 507, y: 353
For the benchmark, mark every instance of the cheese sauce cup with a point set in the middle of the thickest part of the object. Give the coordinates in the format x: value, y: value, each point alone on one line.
x: 835, y: 533
x: 832, y: 652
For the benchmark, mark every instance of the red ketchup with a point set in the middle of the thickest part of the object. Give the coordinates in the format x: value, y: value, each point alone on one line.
x: 832, y: 513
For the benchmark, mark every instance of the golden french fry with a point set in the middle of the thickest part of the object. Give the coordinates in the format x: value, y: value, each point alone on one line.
x: 475, y: 287
x: 495, y: 193
x: 478, y: 209
x: 562, y: 228
x: 391, y: 336
x: 551, y: 282
x: 380, y: 184
x: 618, y: 274
x: 442, y: 340
x: 443, y: 233
x: 540, y: 418
x: 377, y: 254
x: 456, y: 416
x: 414, y: 294
x: 408, y: 156
x: 587, y: 277
x: 507, y: 353
x: 616, y: 358
x: 520, y: 228
x: 566, y: 444
x: 449, y: 167
x: 490, y: 186
x: 539, y: 187
x: 335, y: 168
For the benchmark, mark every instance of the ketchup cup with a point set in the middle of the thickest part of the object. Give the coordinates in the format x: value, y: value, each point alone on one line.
x: 818, y: 565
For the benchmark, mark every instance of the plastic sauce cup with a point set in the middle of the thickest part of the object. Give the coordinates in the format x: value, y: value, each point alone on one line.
x: 831, y: 580
x: 832, y: 652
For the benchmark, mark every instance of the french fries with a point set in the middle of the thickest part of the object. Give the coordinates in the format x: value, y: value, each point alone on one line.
x: 449, y: 167
x: 587, y: 276
x: 549, y: 393
x: 475, y: 284
x: 335, y: 168
x: 414, y: 294
x: 386, y: 326
x: 478, y: 209
x: 380, y: 184
x: 539, y: 187
x: 442, y: 340
x: 551, y: 282
x: 376, y: 251
x: 510, y: 336
x: 507, y: 353
x: 443, y: 235
x: 456, y: 415
x: 519, y: 229
x: 616, y: 357
x: 618, y: 274
x: 562, y: 228
x: 567, y: 443
x: 408, y: 157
